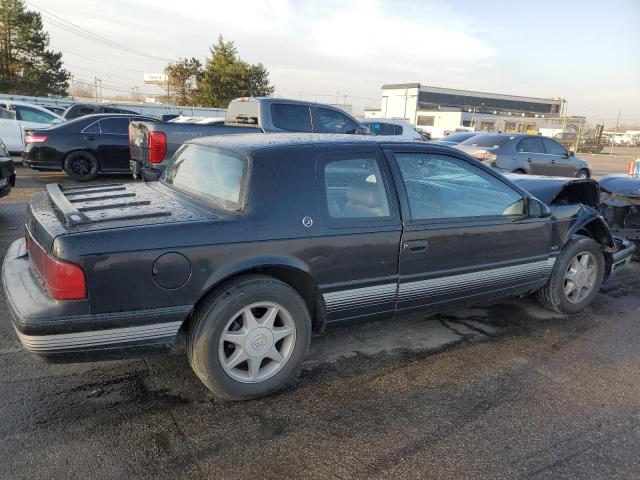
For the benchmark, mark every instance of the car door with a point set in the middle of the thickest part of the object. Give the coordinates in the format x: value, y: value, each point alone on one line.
x: 10, y: 130
x: 357, y: 263
x: 560, y: 163
x: 112, y: 144
x: 466, y: 237
x: 531, y: 154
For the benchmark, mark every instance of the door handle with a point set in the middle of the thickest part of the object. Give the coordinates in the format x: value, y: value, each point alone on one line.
x: 416, y: 246
x: 529, y: 160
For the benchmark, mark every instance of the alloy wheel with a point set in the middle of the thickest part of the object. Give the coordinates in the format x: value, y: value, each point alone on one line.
x: 257, y: 342
x: 580, y: 277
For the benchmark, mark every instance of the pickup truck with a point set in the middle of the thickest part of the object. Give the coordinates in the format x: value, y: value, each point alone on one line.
x: 153, y: 144
x: 371, y: 230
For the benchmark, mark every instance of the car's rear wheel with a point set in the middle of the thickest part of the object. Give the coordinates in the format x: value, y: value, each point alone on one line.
x: 520, y: 171
x: 583, y: 173
x: 576, y: 277
x: 249, y: 338
x: 81, y: 166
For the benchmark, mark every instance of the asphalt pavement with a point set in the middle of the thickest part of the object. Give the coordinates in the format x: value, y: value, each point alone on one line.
x: 502, y: 391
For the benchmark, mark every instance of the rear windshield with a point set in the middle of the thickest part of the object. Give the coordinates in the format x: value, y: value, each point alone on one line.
x: 458, y: 137
x: 211, y: 173
x: 484, y: 140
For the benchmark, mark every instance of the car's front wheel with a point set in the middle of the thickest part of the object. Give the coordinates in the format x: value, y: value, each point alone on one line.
x: 583, y: 173
x: 249, y: 338
x: 81, y: 166
x: 576, y: 277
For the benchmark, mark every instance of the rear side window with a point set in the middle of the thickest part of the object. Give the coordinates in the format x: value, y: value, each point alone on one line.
x: 380, y: 128
x: 214, y: 174
x: 332, y: 121
x: 553, y: 148
x: 292, y: 118
x: 115, y: 126
x: 530, y: 145
x: 354, y: 189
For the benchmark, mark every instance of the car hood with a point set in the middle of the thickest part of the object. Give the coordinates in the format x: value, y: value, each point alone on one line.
x: 622, y: 185
x: 557, y: 190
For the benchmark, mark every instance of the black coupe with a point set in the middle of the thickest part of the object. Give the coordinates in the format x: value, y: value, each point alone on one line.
x: 249, y: 243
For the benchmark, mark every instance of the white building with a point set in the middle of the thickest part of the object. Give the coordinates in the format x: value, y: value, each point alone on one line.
x: 442, y: 110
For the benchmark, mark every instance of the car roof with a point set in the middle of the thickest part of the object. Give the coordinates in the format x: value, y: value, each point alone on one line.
x: 253, y: 142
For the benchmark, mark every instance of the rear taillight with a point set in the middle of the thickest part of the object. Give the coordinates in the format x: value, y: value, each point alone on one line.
x: 35, y: 138
x: 63, y: 280
x: 157, y: 142
x: 634, y: 167
x: 485, y: 156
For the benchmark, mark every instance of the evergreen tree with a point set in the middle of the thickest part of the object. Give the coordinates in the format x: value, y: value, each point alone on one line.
x: 226, y: 77
x: 27, y: 66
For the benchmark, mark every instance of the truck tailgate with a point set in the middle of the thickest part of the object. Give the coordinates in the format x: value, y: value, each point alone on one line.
x: 138, y: 145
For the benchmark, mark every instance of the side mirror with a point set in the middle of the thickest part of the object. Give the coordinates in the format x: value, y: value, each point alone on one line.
x: 362, y: 130
x: 537, y: 209
x: 571, y: 153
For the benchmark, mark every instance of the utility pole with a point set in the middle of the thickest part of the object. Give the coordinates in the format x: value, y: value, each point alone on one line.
x: 618, y: 120
x: 95, y: 87
x: 337, y: 97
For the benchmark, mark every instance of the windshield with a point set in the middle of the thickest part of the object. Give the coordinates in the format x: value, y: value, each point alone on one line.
x: 214, y: 174
x: 485, y: 140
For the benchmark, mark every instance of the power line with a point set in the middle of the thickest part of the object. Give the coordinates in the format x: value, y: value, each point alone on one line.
x: 91, y: 70
x: 67, y: 52
x: 88, y: 35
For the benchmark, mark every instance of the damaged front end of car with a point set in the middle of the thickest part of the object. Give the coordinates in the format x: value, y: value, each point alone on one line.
x: 576, y: 209
x: 620, y: 203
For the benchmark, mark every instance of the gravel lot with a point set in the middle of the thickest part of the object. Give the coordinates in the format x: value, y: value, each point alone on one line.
x: 507, y: 391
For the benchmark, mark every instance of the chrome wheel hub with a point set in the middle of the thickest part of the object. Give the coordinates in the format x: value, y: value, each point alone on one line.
x: 257, y: 342
x: 580, y: 277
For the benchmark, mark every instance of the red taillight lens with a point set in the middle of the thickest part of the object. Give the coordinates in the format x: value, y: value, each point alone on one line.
x: 63, y: 280
x: 634, y: 167
x: 157, y: 142
x: 35, y: 138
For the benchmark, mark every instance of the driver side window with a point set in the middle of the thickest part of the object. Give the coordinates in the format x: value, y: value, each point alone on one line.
x: 443, y: 187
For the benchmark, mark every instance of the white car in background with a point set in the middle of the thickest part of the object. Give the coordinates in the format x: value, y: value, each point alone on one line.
x: 394, y: 128
x: 16, y: 116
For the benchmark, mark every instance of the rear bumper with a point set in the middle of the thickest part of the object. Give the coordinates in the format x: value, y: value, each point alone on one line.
x: 66, y: 331
x: 141, y: 170
x: 38, y: 159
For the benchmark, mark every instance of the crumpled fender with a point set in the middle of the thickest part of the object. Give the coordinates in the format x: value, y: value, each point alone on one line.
x: 558, y: 190
x: 582, y: 218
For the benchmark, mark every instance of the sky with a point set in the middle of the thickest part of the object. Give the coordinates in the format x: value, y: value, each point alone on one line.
x: 587, y: 52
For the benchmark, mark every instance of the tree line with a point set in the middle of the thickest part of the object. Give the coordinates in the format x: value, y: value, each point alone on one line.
x: 29, y: 67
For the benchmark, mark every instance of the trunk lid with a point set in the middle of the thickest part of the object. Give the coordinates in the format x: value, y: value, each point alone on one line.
x: 61, y: 210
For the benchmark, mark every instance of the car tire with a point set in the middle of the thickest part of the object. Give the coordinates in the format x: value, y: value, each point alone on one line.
x: 520, y: 171
x: 558, y: 295
x: 583, y: 173
x: 239, y: 311
x: 81, y: 166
